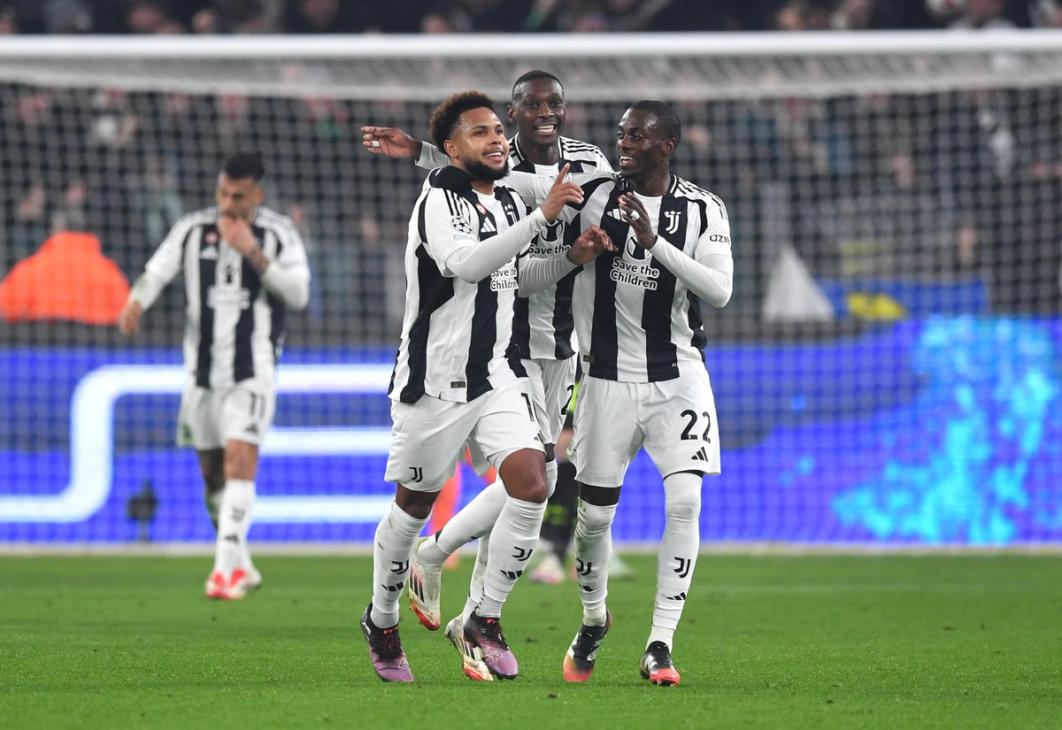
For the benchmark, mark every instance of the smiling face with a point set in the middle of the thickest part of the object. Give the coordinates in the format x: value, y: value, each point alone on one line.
x: 537, y: 109
x: 478, y: 145
x: 642, y: 146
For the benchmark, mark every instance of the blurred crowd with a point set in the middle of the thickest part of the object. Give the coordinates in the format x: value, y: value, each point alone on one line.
x: 939, y: 187
x: 933, y: 187
x: 513, y: 16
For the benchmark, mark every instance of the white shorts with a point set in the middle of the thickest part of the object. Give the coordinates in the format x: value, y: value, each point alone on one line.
x: 551, y: 383
x: 674, y: 420
x: 428, y: 437
x: 210, y: 417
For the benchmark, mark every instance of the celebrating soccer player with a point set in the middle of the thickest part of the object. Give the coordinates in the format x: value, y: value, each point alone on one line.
x: 542, y: 331
x: 243, y: 265
x: 458, y: 377
x: 638, y: 323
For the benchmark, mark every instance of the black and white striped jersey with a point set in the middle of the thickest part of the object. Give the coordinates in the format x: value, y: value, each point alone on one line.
x: 635, y: 320
x: 543, y: 327
x: 235, y: 327
x: 456, y: 335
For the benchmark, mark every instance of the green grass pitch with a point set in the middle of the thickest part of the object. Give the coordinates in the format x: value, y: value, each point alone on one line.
x: 788, y: 642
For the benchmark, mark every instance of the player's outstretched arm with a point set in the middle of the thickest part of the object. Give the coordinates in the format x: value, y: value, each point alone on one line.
x: 389, y: 142
x: 537, y: 274
x: 396, y: 143
x: 710, y: 275
x: 463, y: 255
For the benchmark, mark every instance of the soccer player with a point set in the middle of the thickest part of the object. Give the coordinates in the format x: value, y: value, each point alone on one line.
x: 244, y: 265
x: 638, y: 323
x: 543, y: 329
x: 458, y: 378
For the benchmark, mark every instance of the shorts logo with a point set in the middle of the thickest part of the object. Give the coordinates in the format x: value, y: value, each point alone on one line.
x: 252, y: 429
x: 701, y: 455
x: 418, y: 474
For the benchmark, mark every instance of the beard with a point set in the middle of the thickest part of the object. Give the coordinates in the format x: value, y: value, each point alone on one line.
x: 480, y: 171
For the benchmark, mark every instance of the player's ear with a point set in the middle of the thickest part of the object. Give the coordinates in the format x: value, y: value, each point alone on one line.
x: 510, y: 112
x: 670, y: 145
x: 450, y: 148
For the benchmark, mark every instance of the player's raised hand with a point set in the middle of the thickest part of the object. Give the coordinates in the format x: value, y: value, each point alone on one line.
x: 561, y: 194
x: 589, y: 245
x: 237, y: 233
x: 129, y: 318
x: 634, y: 213
x: 390, y: 142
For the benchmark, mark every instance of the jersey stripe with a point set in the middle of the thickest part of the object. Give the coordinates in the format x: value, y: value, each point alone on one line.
x: 661, y: 355
x: 243, y: 361
x: 204, y: 360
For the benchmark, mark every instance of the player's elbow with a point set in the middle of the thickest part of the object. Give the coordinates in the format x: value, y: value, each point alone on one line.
x: 300, y: 299
x: 721, y: 296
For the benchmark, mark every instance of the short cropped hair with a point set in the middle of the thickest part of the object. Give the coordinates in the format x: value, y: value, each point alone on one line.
x: 244, y: 165
x: 666, y: 118
x: 534, y: 75
x: 446, y: 116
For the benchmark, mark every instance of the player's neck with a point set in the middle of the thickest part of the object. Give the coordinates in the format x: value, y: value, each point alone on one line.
x: 653, y: 183
x: 480, y: 185
x: 540, y: 154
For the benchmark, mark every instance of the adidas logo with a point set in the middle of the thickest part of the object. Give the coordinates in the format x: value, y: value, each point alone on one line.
x: 231, y: 538
x: 615, y: 213
x: 487, y: 226
x: 512, y: 574
x: 679, y: 597
x: 701, y: 455
x: 252, y: 429
x: 209, y: 253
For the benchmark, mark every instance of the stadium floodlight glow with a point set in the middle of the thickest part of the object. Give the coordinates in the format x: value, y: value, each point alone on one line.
x: 92, y: 443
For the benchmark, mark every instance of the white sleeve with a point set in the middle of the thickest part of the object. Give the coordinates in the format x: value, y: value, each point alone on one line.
x: 709, y: 273
x: 452, y: 229
x: 431, y: 157
x: 288, y: 275
x: 536, y: 274
x: 163, y: 265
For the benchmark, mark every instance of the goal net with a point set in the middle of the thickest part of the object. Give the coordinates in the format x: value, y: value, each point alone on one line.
x: 887, y: 371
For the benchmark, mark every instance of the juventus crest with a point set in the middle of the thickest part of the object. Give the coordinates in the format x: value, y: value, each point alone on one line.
x: 673, y: 217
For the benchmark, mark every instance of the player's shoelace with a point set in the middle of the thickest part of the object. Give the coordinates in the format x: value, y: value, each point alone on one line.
x: 386, y: 642
x: 588, y: 641
x: 490, y: 628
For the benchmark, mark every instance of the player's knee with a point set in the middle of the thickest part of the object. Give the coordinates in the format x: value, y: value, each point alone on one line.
x: 683, y: 507
x: 415, y: 504
x: 240, y: 463
x: 595, y: 519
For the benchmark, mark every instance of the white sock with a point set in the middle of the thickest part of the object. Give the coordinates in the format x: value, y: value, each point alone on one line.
x: 392, y: 547
x: 512, y: 542
x: 475, y: 586
x: 593, y: 548
x: 678, y: 553
x: 551, y: 477
x: 234, y: 521
x: 479, y: 570
x: 213, y: 505
x: 473, y: 520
